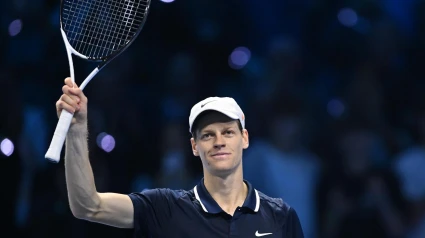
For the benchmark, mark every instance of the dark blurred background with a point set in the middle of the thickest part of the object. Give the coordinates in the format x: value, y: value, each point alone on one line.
x: 333, y: 93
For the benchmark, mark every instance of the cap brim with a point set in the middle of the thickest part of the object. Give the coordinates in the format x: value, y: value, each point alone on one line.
x: 227, y: 113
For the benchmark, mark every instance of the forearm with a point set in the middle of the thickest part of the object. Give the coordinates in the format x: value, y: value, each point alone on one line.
x: 82, y: 194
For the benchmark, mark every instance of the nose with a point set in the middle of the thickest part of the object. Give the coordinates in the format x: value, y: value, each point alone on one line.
x: 219, y: 142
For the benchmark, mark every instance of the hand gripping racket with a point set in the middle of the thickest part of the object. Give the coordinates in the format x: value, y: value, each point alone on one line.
x: 95, y: 30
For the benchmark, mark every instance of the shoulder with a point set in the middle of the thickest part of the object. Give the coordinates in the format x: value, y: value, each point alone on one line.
x: 273, y: 203
x: 277, y: 207
x: 162, y: 194
x: 284, y: 215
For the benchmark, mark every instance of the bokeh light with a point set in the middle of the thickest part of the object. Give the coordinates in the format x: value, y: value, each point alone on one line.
x: 336, y: 108
x: 15, y: 27
x: 167, y: 1
x: 105, y: 141
x: 239, y: 57
x: 347, y: 17
x: 7, y: 147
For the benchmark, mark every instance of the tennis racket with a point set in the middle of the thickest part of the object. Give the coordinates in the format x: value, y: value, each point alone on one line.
x: 95, y: 30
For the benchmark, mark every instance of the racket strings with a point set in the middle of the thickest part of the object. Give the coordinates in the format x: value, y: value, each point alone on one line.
x: 97, y: 28
x: 111, y: 39
x: 106, y: 18
x: 93, y: 29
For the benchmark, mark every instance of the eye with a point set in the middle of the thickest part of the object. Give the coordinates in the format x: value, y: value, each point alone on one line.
x: 230, y: 132
x: 206, y: 136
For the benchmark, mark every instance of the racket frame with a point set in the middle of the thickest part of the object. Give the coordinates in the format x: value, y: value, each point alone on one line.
x: 65, y: 119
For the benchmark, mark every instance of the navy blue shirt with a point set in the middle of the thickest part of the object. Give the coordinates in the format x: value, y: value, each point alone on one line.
x: 166, y: 213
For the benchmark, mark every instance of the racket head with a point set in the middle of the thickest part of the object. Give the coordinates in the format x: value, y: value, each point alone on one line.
x: 101, y: 29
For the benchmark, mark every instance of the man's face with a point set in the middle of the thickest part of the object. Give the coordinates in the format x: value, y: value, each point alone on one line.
x: 220, y: 146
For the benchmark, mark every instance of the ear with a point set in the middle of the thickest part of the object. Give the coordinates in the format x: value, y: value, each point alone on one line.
x: 194, y: 150
x: 245, y: 138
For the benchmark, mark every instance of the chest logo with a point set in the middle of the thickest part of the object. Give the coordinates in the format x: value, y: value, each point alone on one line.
x: 257, y: 234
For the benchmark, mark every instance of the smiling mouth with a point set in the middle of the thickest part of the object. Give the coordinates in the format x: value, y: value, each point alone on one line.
x: 220, y: 155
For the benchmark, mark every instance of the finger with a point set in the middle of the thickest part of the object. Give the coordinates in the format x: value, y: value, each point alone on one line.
x: 70, y: 101
x: 70, y: 83
x: 67, y: 90
x: 79, y: 93
x: 62, y: 105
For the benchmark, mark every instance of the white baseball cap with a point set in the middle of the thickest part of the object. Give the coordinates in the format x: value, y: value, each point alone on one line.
x: 226, y: 105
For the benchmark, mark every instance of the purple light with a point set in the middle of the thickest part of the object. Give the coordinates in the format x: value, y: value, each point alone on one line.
x: 105, y: 141
x: 336, y: 108
x: 15, y: 27
x: 108, y: 143
x: 239, y: 57
x: 167, y: 1
x: 347, y: 17
x: 7, y: 147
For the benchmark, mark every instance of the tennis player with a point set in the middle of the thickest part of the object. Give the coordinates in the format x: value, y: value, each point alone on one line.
x: 222, y: 204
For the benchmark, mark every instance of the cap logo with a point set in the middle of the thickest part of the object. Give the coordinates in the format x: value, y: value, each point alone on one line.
x: 207, y: 103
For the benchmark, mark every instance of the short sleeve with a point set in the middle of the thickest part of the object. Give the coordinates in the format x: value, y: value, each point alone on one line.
x: 292, y: 226
x: 152, y: 209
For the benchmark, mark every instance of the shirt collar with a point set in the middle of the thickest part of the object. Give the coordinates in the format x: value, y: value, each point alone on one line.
x: 209, y: 205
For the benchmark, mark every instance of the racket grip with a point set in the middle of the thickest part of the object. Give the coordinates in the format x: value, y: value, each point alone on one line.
x: 54, y: 152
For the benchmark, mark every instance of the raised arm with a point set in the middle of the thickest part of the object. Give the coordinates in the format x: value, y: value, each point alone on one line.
x: 85, y: 202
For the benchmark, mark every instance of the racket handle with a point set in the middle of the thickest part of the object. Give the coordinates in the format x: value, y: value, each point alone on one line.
x: 54, y: 152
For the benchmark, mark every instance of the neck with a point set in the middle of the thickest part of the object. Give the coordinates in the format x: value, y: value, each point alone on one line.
x: 229, y: 192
